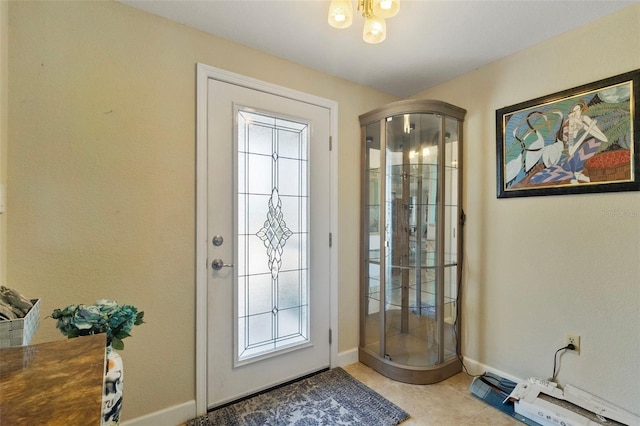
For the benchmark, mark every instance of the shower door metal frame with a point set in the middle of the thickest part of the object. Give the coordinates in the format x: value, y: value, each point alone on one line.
x: 445, y: 368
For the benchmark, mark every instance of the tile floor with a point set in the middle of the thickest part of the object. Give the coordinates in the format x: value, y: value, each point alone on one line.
x: 448, y: 403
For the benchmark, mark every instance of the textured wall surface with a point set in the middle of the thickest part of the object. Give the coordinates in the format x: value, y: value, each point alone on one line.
x: 4, y: 126
x: 102, y: 174
x: 539, y: 267
x: 101, y: 181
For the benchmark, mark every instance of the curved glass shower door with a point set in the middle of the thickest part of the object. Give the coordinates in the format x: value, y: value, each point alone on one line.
x: 410, y: 267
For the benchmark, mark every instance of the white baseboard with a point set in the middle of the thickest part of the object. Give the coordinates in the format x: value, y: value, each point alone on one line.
x: 346, y: 357
x: 171, y: 416
x: 474, y: 367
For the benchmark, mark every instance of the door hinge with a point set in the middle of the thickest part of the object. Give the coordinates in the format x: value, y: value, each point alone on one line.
x: 330, y: 239
x: 329, y: 336
x: 330, y: 143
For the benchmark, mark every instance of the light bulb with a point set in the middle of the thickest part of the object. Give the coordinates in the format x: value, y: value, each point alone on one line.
x: 375, y: 30
x: 340, y: 13
x: 386, y: 8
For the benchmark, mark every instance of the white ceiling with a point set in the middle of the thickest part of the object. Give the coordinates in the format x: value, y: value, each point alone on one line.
x: 428, y: 42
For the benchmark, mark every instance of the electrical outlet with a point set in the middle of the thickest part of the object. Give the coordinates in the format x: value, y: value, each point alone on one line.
x: 573, y: 339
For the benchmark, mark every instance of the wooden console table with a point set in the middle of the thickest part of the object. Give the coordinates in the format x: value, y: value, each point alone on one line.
x: 56, y: 383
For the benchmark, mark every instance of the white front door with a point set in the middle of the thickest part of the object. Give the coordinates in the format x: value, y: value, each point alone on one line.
x: 268, y: 226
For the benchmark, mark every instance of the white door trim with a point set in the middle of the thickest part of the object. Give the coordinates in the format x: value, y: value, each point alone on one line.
x: 203, y: 73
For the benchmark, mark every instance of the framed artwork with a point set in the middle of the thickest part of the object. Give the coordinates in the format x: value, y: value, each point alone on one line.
x: 581, y: 140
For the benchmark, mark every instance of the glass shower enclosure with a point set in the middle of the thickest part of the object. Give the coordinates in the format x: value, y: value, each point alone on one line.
x: 411, y: 245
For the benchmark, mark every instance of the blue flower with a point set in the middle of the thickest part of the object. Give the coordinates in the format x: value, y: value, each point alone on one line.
x: 107, y: 306
x: 124, y: 318
x: 89, y: 317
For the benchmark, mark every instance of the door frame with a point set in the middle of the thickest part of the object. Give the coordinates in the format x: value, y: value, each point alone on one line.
x: 203, y: 74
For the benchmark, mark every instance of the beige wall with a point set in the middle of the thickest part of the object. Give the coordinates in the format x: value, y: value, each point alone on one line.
x: 101, y: 173
x: 100, y: 176
x: 541, y: 266
x: 4, y: 121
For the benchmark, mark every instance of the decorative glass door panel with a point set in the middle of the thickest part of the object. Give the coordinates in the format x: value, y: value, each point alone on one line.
x: 412, y: 183
x: 451, y: 226
x: 373, y: 230
x: 272, y: 214
x: 410, y: 266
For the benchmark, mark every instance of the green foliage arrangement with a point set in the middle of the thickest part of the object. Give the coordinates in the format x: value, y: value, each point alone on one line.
x: 104, y: 316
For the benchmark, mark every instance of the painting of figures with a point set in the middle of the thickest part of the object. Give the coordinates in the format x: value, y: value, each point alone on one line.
x: 582, y: 140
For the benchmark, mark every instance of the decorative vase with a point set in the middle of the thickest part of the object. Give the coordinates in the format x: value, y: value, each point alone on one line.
x: 112, y: 394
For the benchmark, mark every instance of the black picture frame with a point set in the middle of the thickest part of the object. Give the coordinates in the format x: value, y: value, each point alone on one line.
x: 581, y: 140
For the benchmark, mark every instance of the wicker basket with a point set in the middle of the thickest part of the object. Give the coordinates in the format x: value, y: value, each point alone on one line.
x: 18, y: 332
x: 609, y: 166
x: 610, y: 174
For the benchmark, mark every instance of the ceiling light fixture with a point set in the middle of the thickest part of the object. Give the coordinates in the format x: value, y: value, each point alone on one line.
x: 374, y: 11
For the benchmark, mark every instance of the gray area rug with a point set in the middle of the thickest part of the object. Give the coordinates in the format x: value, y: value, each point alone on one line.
x: 330, y: 398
